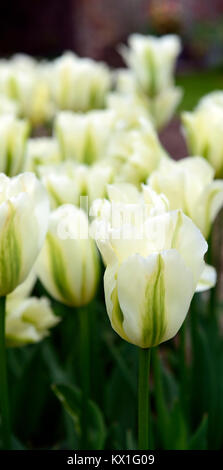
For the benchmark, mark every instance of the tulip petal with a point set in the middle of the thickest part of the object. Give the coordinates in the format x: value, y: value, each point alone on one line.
x: 153, y: 296
x: 208, y: 278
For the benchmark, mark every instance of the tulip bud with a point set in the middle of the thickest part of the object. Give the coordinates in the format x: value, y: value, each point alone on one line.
x: 13, y: 138
x: 68, y: 263
x: 41, y: 151
x: 84, y: 137
x: 164, y: 256
x: 24, y: 212
x: 188, y: 185
x: 28, y: 320
x: 203, y: 130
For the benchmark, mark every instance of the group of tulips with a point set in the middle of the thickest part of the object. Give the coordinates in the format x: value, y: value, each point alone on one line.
x: 100, y: 192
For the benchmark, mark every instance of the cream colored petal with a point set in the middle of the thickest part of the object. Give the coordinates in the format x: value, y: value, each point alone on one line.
x: 155, y: 306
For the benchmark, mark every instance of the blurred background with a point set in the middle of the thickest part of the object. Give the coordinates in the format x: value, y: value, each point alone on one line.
x: 95, y: 28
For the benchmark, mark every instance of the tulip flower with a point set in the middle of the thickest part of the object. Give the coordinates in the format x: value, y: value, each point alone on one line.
x: 41, y: 151
x: 84, y: 137
x: 24, y: 213
x: 188, y: 185
x: 78, y: 84
x: 203, y: 130
x: 68, y: 263
x: 135, y: 153
x: 13, y: 139
x: 24, y: 80
x: 28, y: 320
x: 72, y: 183
x: 154, y: 259
x: 159, y: 107
x: 152, y: 61
x: 65, y: 182
x: 129, y: 108
x: 24, y: 219
x: 165, y: 250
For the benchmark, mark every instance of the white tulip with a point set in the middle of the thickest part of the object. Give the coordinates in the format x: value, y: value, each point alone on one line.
x: 203, y: 129
x: 150, y: 279
x: 68, y: 263
x: 41, y: 151
x: 188, y: 185
x: 135, y: 153
x: 13, y: 139
x: 84, y: 137
x: 28, y: 320
x: 24, y: 212
x: 152, y: 60
x: 78, y: 84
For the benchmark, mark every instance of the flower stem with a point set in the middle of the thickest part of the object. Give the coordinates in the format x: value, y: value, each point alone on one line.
x: 4, y: 402
x: 143, y: 399
x: 85, y: 374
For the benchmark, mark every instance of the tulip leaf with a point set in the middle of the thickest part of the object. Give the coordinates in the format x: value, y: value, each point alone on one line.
x: 70, y: 397
x: 178, y: 431
x: 198, y: 440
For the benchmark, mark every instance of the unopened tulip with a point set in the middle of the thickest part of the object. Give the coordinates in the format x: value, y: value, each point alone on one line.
x: 24, y: 212
x: 68, y: 263
x: 188, y: 185
x: 84, y: 137
x: 13, y: 139
x: 151, y: 276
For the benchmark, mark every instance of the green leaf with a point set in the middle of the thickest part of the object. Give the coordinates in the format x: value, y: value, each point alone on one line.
x: 178, y: 431
x: 70, y: 397
x: 198, y: 440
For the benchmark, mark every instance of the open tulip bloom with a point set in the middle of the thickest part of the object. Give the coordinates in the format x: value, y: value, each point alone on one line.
x: 153, y: 268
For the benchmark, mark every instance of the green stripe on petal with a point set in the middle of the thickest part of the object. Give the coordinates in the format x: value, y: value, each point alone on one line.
x: 154, y: 316
x: 10, y: 255
x: 58, y: 265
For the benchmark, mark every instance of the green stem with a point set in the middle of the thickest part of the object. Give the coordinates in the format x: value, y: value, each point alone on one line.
x: 143, y: 399
x: 85, y: 374
x: 183, y: 365
x: 4, y: 402
x: 161, y: 407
